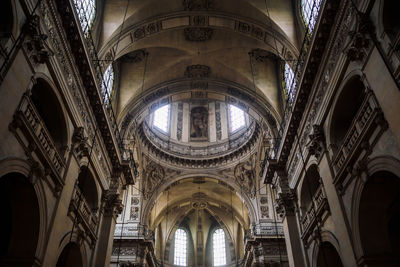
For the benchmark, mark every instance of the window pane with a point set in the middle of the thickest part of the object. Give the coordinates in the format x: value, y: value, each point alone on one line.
x: 86, y: 12
x: 180, y: 248
x: 310, y: 9
x: 219, y: 247
x: 107, y: 85
x: 290, y: 82
x: 236, y: 118
x: 161, y: 118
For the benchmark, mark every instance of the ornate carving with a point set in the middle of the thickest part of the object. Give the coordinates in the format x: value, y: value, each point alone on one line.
x: 180, y: 122
x: 199, y: 124
x: 264, y: 200
x: 197, y: 5
x: 135, y: 56
x: 135, y: 201
x: 317, y: 141
x: 198, y: 34
x: 35, y: 43
x: 285, y: 203
x: 199, y: 205
x: 261, y: 55
x: 112, y: 203
x: 245, y: 176
x: 134, y: 215
x: 197, y: 71
x: 218, y: 120
x: 154, y: 174
x: 264, y: 212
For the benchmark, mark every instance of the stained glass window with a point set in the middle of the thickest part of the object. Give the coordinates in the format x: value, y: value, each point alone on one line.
x: 219, y: 253
x: 161, y: 118
x: 86, y: 11
x: 236, y: 118
x: 310, y: 10
x: 180, y: 248
x: 290, y: 82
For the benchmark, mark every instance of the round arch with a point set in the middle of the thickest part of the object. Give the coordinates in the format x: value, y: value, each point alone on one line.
x: 381, y: 164
x: 150, y: 202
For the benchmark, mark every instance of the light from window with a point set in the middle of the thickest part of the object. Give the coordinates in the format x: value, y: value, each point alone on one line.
x: 107, y: 84
x: 161, y: 118
x: 236, y: 118
x: 310, y: 9
x: 180, y: 248
x: 290, y: 82
x: 86, y: 13
x: 219, y: 247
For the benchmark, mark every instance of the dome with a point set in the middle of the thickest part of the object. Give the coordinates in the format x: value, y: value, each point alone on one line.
x: 198, y: 129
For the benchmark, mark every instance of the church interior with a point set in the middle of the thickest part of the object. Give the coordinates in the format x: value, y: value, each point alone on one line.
x: 200, y: 133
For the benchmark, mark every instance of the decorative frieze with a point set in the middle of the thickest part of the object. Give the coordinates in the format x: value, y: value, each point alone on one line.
x: 198, y: 34
x: 197, y: 71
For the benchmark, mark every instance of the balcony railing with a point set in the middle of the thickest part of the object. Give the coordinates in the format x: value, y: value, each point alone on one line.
x: 34, y: 129
x: 135, y: 231
x: 83, y: 211
x: 362, y: 121
x: 316, y: 208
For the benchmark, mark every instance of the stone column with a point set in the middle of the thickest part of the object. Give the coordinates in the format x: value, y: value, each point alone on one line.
x: 112, y: 206
x: 286, y: 210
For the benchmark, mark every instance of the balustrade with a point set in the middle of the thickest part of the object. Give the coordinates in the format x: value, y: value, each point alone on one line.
x: 316, y: 208
x: 83, y: 211
x: 360, y: 125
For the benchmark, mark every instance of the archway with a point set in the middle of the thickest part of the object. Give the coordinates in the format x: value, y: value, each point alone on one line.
x: 346, y: 109
x: 309, y: 188
x: 70, y: 256
x: 379, y: 220
x: 88, y: 188
x: 328, y: 256
x: 49, y: 109
x: 19, y: 205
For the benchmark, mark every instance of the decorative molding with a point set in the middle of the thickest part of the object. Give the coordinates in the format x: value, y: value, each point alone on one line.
x: 197, y: 71
x: 197, y: 5
x: 198, y: 34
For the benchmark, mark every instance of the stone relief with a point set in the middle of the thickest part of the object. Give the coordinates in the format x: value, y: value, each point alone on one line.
x: 180, y: 122
x: 134, y: 215
x: 199, y: 124
x: 245, y: 177
x: 197, y: 71
x: 154, y: 174
x: 198, y: 34
x: 218, y: 120
x: 197, y: 5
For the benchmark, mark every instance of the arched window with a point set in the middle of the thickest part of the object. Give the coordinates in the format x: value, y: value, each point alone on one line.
x: 290, y: 82
x: 86, y: 10
x: 161, y: 118
x: 180, y: 255
x: 219, y: 253
x: 310, y: 10
x: 107, y: 85
x: 236, y: 118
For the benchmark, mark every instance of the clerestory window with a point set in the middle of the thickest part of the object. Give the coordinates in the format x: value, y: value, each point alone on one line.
x: 236, y: 118
x: 180, y: 254
x: 310, y: 10
x: 219, y: 253
x: 107, y: 84
x: 161, y: 118
x: 290, y: 82
x: 86, y: 10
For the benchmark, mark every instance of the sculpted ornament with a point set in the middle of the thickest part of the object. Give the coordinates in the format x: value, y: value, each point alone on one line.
x: 154, y: 174
x: 196, y: 5
x: 198, y: 34
x: 245, y: 177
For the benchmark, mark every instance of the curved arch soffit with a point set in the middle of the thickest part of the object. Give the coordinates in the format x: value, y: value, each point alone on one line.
x: 76, y: 240
x: 187, y: 208
x: 144, y: 105
x: 269, y: 33
x: 16, y: 165
x: 179, y: 219
x: 150, y: 202
x: 374, y: 165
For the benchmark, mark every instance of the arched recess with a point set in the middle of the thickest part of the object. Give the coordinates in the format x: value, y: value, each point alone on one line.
x: 6, y: 24
x: 88, y: 187
x: 20, y: 240
x: 311, y: 183
x: 390, y: 20
x: 49, y: 107
x: 149, y: 204
x: 70, y: 256
x: 327, y: 256
x: 169, y: 250
x: 377, y: 218
x: 346, y: 107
